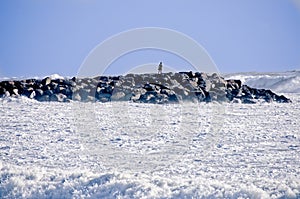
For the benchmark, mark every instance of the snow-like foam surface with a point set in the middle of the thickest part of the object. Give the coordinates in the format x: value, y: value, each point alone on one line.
x: 284, y: 82
x: 53, y: 76
x: 163, y: 151
x: 56, y: 76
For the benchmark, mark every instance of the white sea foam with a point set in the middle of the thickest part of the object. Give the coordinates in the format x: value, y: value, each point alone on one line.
x: 282, y: 82
x: 128, y: 150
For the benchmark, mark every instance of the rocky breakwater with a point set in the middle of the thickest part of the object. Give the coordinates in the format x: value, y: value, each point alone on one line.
x: 143, y: 88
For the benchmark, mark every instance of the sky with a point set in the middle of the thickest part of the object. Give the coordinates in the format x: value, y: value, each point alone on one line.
x: 43, y: 37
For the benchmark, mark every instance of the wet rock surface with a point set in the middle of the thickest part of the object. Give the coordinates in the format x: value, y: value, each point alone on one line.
x: 142, y: 88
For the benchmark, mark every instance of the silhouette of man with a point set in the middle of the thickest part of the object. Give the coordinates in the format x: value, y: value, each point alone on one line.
x: 160, y: 66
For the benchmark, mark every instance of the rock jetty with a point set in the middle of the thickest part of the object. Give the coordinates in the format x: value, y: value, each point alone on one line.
x: 143, y: 88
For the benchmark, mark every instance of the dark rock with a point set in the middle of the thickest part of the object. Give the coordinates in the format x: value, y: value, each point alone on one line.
x: 118, y: 96
x: 247, y: 101
x: 198, y: 74
x: 59, y: 81
x: 103, y: 78
x: 201, y: 95
x: 104, y: 92
x: 149, y: 87
x: 43, y: 98
x: 54, y: 86
x: 102, y: 84
x: 48, y: 92
x: 57, y: 98
x: 115, y: 78
x: 39, y: 93
x: 233, y: 84
x: 27, y: 91
x: 46, y: 81
x: 46, y: 87
x: 30, y: 81
x: 15, y: 91
x: 58, y: 88
x: 83, y: 93
x: 282, y: 99
x: 8, y: 86
x: 32, y: 95
x: 103, y: 97
x: 2, y: 91
x: 232, y: 93
x: 190, y: 74
x: 208, y: 97
x: 173, y: 98
x: 112, y: 83
x: 67, y: 92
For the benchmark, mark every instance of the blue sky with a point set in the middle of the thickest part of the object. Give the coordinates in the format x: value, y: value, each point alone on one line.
x: 42, y: 37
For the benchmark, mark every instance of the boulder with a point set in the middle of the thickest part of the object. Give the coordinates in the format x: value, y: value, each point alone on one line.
x: 83, y: 93
x: 46, y: 87
x: 15, y: 91
x: 76, y: 97
x: 46, y: 81
x: 190, y: 74
x: 201, y: 96
x: 67, y: 92
x: 247, y: 101
x: 103, y: 97
x: 282, y: 99
x: 48, y: 92
x: 103, y: 78
x: 43, y: 98
x: 57, y: 98
x: 2, y: 91
x: 39, y: 93
x: 32, y: 95
x: 27, y: 91
x: 7, y: 94
x: 118, y: 96
x: 233, y: 84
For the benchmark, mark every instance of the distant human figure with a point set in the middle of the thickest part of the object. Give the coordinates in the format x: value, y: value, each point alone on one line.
x: 160, y: 66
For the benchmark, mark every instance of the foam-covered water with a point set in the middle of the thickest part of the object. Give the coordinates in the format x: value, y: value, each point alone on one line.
x: 128, y: 150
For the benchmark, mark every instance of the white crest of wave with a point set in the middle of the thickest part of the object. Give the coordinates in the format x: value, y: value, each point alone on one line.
x: 281, y: 82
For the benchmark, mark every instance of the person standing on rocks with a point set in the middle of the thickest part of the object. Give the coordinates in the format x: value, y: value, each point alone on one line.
x: 160, y: 66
